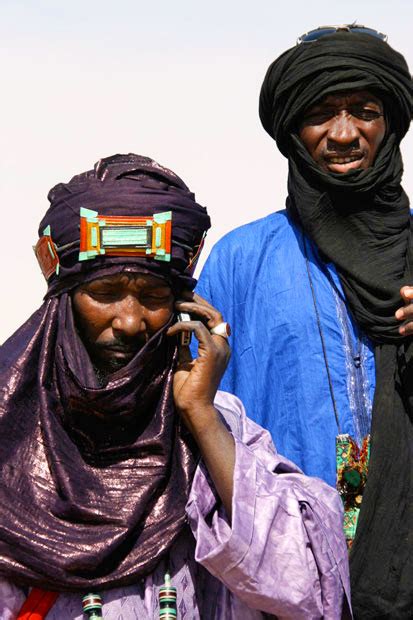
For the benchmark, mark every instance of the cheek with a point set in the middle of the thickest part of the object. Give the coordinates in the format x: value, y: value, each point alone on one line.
x: 155, y: 319
x: 375, y: 137
x: 311, y: 137
x: 91, y: 317
x: 379, y: 137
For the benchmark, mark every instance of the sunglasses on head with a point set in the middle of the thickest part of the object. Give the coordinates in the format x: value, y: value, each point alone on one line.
x: 322, y: 31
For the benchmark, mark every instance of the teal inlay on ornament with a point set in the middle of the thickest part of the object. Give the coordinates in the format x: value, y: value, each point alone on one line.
x: 90, y: 254
x: 158, y: 238
x: 161, y: 255
x: 47, y: 231
x: 124, y: 237
x: 90, y: 215
x: 50, y: 249
x: 161, y: 218
x: 94, y: 236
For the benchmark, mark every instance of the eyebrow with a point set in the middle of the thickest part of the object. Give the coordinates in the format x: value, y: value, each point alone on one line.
x: 101, y: 281
x: 117, y: 281
x: 356, y: 99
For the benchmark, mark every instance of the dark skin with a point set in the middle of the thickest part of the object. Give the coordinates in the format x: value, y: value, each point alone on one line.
x: 343, y: 132
x: 117, y: 315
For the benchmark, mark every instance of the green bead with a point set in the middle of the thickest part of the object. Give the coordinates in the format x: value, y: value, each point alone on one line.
x: 352, y: 477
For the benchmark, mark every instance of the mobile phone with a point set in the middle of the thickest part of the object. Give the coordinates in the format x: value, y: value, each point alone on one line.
x: 184, y: 337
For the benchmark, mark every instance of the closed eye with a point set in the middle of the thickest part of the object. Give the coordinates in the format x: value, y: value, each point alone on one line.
x: 153, y: 299
x: 109, y: 296
x: 322, y: 116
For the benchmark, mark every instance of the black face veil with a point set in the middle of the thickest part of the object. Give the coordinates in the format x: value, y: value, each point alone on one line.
x: 361, y: 222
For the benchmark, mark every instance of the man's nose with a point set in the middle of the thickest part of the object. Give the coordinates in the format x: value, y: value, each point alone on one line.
x: 343, y: 132
x: 129, y: 318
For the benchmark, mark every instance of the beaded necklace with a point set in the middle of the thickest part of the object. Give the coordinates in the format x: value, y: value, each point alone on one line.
x: 92, y: 606
x: 39, y: 603
x: 351, y: 460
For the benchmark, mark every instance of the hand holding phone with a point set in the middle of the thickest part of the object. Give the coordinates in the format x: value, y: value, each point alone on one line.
x: 196, y: 379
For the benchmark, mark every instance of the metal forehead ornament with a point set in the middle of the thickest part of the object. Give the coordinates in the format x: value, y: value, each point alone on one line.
x: 110, y: 235
x: 117, y: 235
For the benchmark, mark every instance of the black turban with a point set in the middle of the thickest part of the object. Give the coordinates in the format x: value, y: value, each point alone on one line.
x: 343, y: 61
x: 361, y: 222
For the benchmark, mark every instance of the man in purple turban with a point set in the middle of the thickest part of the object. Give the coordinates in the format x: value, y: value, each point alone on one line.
x: 126, y: 480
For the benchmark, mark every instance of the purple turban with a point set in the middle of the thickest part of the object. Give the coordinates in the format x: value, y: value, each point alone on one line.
x: 124, y: 185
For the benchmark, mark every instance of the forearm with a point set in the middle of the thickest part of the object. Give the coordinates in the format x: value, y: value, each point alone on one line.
x: 217, y: 448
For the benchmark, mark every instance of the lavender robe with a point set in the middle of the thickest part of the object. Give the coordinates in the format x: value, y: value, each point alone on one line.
x: 283, y: 554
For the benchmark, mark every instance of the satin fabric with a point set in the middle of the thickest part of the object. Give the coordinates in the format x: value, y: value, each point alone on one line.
x: 283, y: 555
x: 94, y: 480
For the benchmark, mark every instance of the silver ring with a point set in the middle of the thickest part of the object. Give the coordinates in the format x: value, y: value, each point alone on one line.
x: 222, y: 329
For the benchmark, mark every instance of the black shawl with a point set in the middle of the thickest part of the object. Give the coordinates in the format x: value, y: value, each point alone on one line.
x: 361, y: 222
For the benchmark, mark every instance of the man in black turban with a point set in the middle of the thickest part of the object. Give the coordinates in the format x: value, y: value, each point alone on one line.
x: 318, y: 296
x: 120, y: 466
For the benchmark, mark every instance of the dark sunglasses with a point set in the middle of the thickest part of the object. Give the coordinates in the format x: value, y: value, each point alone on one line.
x: 322, y: 31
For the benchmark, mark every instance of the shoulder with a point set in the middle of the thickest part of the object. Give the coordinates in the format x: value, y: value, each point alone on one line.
x: 254, y: 232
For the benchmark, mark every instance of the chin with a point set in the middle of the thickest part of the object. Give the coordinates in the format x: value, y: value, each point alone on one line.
x: 103, y: 373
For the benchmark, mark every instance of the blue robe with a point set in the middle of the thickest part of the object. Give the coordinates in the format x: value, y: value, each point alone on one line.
x: 257, y: 277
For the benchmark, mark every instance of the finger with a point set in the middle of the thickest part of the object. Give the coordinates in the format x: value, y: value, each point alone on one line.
x: 195, y: 327
x: 407, y: 293
x: 205, y: 339
x: 406, y: 329
x: 200, y: 300
x: 405, y: 313
x: 191, y: 296
x: 210, y: 315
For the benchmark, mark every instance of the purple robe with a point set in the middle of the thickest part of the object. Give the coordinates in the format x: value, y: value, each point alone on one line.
x: 283, y: 554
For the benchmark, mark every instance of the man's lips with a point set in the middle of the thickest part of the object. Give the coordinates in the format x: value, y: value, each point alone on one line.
x: 343, y: 163
x: 119, y: 352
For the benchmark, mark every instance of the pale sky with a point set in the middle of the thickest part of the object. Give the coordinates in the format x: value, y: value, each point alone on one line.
x: 177, y: 81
